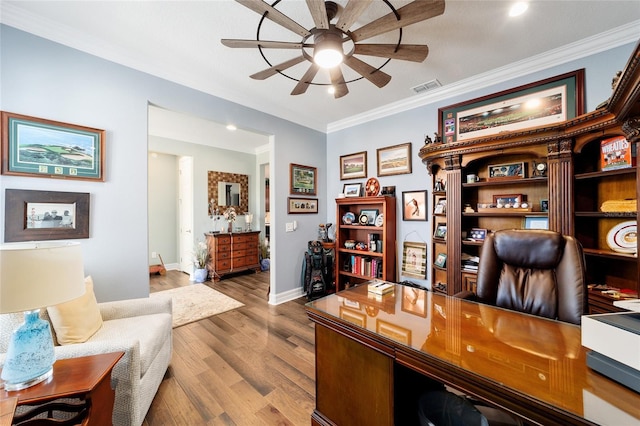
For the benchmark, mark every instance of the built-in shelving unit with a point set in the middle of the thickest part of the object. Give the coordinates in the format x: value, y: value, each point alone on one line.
x: 567, y: 198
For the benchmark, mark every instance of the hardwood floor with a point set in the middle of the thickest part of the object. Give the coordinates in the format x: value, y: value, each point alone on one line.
x: 254, y: 365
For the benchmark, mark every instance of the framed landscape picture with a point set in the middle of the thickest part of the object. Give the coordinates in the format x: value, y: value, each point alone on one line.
x: 353, y: 166
x: 544, y: 102
x: 44, y: 148
x: 303, y: 179
x: 394, y: 160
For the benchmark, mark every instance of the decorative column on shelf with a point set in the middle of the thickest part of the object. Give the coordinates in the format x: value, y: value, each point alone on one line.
x: 454, y: 223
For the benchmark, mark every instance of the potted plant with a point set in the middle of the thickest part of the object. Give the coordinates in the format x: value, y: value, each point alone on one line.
x: 201, y: 254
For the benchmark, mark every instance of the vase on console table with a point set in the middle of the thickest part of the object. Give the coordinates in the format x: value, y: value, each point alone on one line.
x: 230, y: 227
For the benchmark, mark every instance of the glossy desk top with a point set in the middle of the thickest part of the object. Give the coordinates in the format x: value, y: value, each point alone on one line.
x: 529, y: 356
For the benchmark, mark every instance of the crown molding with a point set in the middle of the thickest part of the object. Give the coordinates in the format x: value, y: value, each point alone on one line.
x: 601, y: 42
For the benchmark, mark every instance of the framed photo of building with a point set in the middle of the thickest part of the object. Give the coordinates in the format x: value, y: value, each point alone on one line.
x: 44, y: 148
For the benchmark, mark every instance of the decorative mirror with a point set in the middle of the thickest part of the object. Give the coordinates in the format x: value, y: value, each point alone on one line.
x: 229, y: 190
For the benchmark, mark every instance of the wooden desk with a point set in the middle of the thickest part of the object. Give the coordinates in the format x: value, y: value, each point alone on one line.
x: 530, y: 366
x: 87, y: 378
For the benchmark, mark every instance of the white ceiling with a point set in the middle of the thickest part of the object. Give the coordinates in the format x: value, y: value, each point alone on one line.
x: 473, y: 43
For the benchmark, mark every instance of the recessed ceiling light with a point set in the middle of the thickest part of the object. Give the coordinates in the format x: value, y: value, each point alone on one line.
x: 331, y: 90
x: 518, y: 8
x: 231, y: 127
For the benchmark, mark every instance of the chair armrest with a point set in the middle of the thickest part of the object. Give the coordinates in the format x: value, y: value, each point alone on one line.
x: 466, y: 295
x: 135, y: 307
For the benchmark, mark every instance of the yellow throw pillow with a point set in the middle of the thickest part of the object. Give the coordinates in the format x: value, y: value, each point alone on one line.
x: 77, y: 320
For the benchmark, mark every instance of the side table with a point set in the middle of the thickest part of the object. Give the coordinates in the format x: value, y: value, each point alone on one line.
x: 87, y: 378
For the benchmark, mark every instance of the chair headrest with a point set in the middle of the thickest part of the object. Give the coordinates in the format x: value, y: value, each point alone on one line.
x: 531, y: 248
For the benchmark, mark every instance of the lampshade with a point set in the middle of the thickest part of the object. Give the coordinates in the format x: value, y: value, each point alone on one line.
x: 33, y: 276
x: 36, y: 275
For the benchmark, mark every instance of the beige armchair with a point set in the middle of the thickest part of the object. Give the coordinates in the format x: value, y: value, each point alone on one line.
x: 141, y: 328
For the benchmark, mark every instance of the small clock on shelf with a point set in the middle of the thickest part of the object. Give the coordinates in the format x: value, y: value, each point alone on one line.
x: 539, y: 169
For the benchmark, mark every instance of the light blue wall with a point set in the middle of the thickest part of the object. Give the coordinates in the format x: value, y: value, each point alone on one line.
x: 163, y: 208
x: 413, y: 125
x: 45, y: 79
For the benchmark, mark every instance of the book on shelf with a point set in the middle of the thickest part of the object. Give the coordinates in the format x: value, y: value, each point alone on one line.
x: 366, y: 266
x: 381, y: 287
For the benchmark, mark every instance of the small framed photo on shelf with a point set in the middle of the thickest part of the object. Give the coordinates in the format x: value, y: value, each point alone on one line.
x: 536, y: 222
x: 352, y: 189
x: 414, y: 205
x: 441, y: 260
x: 371, y: 214
x: 353, y: 166
x: 477, y: 234
x: 441, y: 231
x: 544, y: 205
x: 508, y: 200
x: 441, y: 206
x: 506, y: 171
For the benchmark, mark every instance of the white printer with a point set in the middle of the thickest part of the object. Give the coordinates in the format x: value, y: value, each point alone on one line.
x: 614, y: 340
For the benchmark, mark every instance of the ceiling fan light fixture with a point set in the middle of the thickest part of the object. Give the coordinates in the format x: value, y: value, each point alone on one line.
x: 331, y: 90
x: 327, y: 52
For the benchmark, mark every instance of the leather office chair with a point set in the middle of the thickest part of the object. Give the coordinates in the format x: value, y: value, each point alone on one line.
x: 533, y: 271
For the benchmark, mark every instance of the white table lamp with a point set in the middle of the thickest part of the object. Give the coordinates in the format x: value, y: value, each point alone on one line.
x: 34, y: 276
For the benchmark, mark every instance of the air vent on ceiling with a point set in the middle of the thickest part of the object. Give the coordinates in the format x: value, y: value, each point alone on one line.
x: 425, y: 87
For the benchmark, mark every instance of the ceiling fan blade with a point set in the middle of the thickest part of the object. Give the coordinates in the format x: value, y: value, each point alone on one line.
x: 307, y: 78
x: 261, y: 7
x: 337, y: 80
x: 264, y: 74
x: 372, y: 74
x: 351, y: 13
x: 319, y: 13
x: 405, y: 52
x: 416, y: 11
x: 265, y: 44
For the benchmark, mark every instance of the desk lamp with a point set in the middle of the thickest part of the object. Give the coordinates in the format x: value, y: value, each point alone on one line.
x: 34, y: 276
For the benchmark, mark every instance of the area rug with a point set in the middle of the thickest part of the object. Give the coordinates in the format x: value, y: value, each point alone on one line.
x: 195, y: 302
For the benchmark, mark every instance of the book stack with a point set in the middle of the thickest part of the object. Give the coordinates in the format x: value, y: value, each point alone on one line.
x: 381, y: 287
x: 469, y: 262
x: 366, y: 266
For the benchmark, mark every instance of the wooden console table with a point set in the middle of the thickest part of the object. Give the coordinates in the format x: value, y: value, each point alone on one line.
x: 372, y: 353
x: 232, y: 252
x: 86, y: 378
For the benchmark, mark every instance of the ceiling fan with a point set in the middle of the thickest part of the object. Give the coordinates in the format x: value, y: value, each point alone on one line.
x: 324, y: 45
